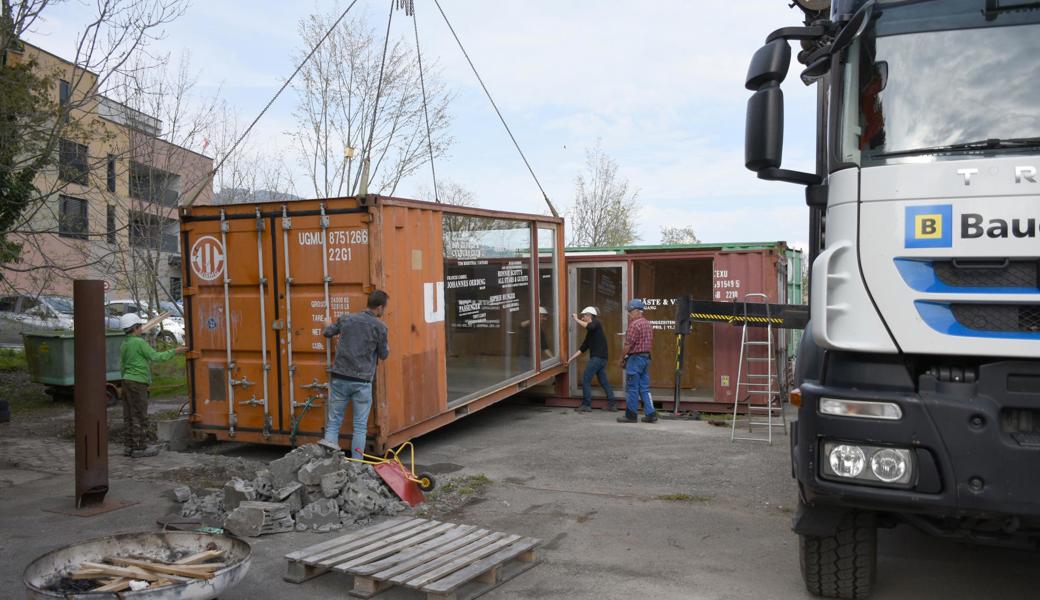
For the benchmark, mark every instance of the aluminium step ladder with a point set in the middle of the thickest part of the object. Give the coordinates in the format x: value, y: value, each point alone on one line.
x: 758, y: 384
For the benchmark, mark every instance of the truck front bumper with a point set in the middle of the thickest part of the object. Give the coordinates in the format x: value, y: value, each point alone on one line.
x: 971, y: 460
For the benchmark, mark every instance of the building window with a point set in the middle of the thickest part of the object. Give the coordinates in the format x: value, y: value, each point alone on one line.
x: 111, y: 173
x: 64, y: 92
x: 153, y: 232
x: 72, y: 217
x: 111, y: 222
x: 153, y: 185
x: 72, y: 162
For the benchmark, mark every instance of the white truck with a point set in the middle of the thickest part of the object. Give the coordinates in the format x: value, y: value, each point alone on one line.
x: 919, y: 374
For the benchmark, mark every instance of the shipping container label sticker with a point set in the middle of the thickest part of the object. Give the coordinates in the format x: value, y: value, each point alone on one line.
x: 726, y: 288
x: 433, y: 302
x: 725, y: 380
x: 207, y: 258
x: 211, y: 323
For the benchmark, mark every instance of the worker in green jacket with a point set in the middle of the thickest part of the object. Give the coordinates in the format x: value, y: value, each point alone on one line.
x: 136, y: 356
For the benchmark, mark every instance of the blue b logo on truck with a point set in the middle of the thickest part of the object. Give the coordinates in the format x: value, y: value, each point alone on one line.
x: 929, y: 226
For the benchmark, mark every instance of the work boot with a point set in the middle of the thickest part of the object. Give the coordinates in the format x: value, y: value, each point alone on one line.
x: 628, y: 418
x: 145, y: 452
x: 583, y: 409
x: 650, y: 418
x: 327, y: 444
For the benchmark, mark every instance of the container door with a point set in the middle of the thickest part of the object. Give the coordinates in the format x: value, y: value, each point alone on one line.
x: 605, y: 286
x: 230, y: 262
x: 323, y: 267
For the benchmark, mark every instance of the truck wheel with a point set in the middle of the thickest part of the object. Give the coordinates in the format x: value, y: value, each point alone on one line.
x: 842, y: 565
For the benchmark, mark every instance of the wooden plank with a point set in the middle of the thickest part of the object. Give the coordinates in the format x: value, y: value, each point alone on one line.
x: 454, y: 561
x: 434, y: 558
x: 344, y: 539
x: 429, y: 565
x: 474, y: 588
x: 464, y: 560
x: 183, y: 571
x: 457, y: 579
x: 394, y: 548
x: 201, y: 557
x: 433, y: 548
x: 297, y: 572
x: 115, y: 586
x: 377, y: 537
x: 343, y: 557
x: 80, y: 574
x: 130, y: 572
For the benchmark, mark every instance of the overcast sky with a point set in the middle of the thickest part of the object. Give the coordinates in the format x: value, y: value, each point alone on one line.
x: 660, y: 83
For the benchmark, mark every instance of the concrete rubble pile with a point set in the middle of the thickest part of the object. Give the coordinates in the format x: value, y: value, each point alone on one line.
x: 311, y: 488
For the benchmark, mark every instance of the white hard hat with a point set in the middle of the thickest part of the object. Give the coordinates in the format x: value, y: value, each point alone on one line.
x: 590, y: 310
x: 129, y: 320
x: 542, y: 310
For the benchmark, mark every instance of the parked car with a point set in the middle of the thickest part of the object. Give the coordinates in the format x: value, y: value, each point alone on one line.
x: 171, y: 329
x: 23, y: 313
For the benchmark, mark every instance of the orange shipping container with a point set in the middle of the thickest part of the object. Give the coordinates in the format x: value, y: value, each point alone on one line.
x: 474, y: 313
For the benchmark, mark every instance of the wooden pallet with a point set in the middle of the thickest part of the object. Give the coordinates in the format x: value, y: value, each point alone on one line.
x: 444, y: 560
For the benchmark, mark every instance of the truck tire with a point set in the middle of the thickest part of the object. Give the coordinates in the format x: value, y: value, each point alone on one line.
x: 842, y: 565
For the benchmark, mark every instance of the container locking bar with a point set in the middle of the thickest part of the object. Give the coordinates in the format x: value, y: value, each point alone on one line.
x: 232, y: 419
x: 286, y: 226
x: 263, y: 319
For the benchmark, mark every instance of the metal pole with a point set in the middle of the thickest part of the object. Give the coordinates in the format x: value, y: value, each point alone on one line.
x: 90, y: 400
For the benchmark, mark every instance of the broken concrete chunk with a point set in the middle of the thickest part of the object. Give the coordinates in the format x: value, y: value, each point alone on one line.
x: 182, y: 493
x: 263, y: 483
x: 332, y: 483
x: 318, y: 514
x: 312, y: 472
x: 252, y: 519
x: 237, y: 491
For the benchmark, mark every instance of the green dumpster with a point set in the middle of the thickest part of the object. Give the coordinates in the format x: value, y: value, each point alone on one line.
x: 51, y: 357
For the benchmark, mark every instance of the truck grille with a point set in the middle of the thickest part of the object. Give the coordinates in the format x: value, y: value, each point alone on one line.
x: 998, y: 317
x: 1015, y: 274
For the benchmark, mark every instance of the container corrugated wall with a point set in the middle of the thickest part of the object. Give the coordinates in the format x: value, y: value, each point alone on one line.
x: 261, y: 280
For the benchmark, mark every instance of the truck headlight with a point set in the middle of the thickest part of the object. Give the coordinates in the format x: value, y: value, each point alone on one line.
x: 846, y: 461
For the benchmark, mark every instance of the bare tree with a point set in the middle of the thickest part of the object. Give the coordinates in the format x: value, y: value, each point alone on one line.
x: 448, y: 192
x: 605, y: 209
x: 337, y: 106
x: 45, y: 142
x: 246, y: 174
x: 679, y: 235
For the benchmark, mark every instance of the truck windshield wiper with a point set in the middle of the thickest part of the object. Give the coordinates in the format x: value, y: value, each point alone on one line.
x: 990, y: 144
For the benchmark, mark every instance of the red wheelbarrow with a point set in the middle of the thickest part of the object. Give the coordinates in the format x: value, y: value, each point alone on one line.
x: 404, y: 481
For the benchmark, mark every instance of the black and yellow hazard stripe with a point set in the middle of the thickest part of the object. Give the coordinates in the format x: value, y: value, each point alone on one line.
x: 730, y: 319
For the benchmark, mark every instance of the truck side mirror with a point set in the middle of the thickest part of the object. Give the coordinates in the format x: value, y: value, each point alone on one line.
x: 764, y: 129
x: 769, y: 64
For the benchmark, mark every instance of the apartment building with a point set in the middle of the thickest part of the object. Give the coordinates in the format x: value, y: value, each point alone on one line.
x: 110, y: 196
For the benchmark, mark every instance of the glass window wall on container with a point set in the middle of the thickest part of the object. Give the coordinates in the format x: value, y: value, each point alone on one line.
x: 489, y: 302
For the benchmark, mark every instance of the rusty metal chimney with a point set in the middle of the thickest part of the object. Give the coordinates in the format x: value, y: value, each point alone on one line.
x: 91, y: 402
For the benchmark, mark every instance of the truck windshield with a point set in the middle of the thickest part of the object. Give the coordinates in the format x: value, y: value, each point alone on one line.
x: 941, y: 95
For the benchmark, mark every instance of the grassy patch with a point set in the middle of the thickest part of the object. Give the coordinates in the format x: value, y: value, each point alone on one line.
x: 169, y: 378
x: 684, y: 498
x: 12, y: 360
x: 453, y: 494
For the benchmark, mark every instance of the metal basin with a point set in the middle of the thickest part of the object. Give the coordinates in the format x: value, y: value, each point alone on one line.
x: 47, y: 570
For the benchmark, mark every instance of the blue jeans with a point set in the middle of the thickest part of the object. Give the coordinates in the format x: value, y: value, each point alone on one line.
x: 359, y: 395
x: 597, y: 367
x: 637, y: 386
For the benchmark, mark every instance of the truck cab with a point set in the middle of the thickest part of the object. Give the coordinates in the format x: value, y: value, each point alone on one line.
x: 919, y: 374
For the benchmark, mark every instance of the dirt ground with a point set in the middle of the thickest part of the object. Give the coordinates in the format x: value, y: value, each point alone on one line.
x: 672, y: 510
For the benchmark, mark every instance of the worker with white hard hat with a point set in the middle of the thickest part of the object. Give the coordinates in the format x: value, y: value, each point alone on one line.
x: 136, y: 356
x: 596, y: 345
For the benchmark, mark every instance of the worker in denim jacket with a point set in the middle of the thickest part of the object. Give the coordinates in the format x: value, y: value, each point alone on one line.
x: 362, y: 343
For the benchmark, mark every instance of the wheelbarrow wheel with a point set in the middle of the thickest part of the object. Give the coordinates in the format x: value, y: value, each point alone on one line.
x: 426, y: 482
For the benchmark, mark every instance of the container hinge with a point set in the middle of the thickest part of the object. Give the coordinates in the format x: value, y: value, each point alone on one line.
x: 267, y: 366
x: 288, y: 281
x: 328, y: 280
x: 315, y: 385
x: 263, y: 281
x: 259, y: 221
x: 254, y: 401
x: 267, y: 426
x: 324, y: 221
x: 286, y: 222
x: 232, y: 424
x: 225, y: 226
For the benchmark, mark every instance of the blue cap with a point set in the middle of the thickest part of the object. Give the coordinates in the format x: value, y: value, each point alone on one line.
x: 636, y: 304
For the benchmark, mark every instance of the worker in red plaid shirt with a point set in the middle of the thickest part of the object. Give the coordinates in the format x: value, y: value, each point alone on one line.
x: 639, y: 339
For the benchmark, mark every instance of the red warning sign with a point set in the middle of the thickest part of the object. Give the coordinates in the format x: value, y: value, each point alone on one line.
x: 207, y: 258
